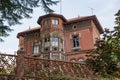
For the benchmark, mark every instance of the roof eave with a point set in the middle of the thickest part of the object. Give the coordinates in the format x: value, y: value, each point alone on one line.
x: 94, y: 18
x: 51, y: 15
x: 25, y: 32
x: 97, y: 23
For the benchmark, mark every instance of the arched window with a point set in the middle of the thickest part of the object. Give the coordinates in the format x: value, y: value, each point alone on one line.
x: 80, y: 60
x: 72, y: 60
x: 75, y: 40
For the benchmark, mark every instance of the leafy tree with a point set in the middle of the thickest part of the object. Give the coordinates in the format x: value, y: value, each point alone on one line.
x: 105, y: 59
x: 12, y: 11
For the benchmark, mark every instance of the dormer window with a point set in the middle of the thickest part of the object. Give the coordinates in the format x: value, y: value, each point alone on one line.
x: 55, y: 21
x: 75, y: 41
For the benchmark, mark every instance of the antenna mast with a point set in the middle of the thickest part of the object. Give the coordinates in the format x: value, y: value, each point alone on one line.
x: 60, y: 6
x: 91, y: 10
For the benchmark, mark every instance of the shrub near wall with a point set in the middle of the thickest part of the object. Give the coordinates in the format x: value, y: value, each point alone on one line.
x: 66, y: 78
x: 101, y: 78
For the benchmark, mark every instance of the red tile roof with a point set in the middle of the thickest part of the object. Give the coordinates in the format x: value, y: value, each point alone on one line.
x: 67, y: 22
x: 28, y: 31
x: 79, y: 19
x: 51, y: 15
x: 76, y: 18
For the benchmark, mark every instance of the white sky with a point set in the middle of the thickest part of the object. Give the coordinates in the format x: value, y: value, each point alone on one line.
x: 103, y: 9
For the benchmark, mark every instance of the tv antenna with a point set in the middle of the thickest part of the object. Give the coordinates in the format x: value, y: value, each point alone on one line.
x: 92, y: 9
x: 60, y: 6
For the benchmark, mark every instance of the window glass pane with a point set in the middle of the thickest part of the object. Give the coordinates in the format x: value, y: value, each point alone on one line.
x: 36, y: 49
x: 55, y: 21
x: 46, y: 56
x: 75, y: 41
x: 61, y: 43
x: 73, y: 60
x: 47, y: 23
x: 54, y: 41
x: 80, y: 60
x: 55, y: 56
x: 47, y: 42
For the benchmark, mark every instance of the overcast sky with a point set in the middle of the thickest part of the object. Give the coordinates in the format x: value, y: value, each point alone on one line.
x: 103, y: 9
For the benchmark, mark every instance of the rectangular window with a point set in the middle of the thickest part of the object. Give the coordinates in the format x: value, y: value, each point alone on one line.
x: 47, y: 23
x: 47, y: 56
x: 35, y: 49
x: 61, y: 43
x: 75, y: 41
x: 55, y: 42
x: 55, y: 56
x: 47, y: 42
x: 55, y: 22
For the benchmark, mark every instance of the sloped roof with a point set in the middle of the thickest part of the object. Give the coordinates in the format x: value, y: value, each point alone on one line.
x: 66, y: 22
x: 79, y: 19
x: 76, y: 18
x: 51, y: 15
x: 28, y: 31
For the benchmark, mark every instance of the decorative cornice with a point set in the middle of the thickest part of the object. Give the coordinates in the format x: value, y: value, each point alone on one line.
x: 80, y: 19
x: 66, y: 22
x: 51, y: 15
x: 78, y: 52
x: 28, y: 31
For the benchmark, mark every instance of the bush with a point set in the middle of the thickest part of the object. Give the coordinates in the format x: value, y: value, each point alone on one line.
x: 66, y: 78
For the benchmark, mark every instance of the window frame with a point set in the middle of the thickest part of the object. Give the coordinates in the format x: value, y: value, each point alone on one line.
x: 81, y: 60
x: 36, y: 48
x: 47, y: 42
x: 46, y: 22
x: 55, y: 21
x: 55, y: 41
x: 75, y: 42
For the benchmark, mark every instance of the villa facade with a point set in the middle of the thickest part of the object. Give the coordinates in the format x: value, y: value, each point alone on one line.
x: 60, y: 38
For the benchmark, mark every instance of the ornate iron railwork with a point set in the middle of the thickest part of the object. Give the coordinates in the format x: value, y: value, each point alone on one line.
x: 7, y: 64
x: 37, y: 67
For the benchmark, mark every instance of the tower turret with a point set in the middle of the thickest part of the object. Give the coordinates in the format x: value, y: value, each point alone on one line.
x: 52, y: 36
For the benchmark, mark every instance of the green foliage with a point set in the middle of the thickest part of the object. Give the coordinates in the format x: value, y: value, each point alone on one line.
x: 12, y: 11
x: 3, y: 71
x: 101, y: 78
x: 105, y: 60
x: 66, y: 77
x: 4, y: 31
x: 57, y: 75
